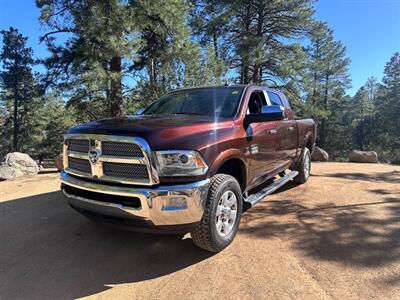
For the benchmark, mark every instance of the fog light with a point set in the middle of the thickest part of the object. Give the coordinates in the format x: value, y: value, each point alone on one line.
x: 174, y: 204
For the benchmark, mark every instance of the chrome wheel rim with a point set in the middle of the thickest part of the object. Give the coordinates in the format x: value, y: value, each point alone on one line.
x: 226, y: 214
x: 307, y: 166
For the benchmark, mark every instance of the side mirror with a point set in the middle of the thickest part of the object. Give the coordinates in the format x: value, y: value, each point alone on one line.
x: 139, y: 111
x: 268, y: 113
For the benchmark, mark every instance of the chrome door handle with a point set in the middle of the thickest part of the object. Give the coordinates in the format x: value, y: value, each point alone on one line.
x: 273, y: 131
x: 291, y: 128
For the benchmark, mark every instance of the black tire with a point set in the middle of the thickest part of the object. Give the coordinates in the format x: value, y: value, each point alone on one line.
x: 206, y: 235
x: 301, y: 167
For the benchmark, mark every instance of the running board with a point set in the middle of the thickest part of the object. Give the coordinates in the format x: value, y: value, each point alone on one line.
x: 255, y: 198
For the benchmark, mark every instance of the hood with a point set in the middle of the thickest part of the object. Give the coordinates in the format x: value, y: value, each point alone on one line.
x: 162, y: 132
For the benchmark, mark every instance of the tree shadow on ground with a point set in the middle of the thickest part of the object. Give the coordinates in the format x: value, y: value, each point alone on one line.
x: 49, y: 251
x: 349, y: 234
x: 388, y: 177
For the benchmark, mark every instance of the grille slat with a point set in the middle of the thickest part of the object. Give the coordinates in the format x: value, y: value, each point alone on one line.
x: 78, y: 145
x: 123, y: 170
x: 121, y: 149
x: 78, y: 164
x: 113, y: 164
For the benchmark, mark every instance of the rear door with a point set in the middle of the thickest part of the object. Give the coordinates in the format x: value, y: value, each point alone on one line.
x: 287, y: 134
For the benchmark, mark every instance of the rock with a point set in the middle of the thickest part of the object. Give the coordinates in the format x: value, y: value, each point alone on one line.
x: 18, y: 164
x: 58, y: 161
x: 363, y: 156
x: 319, y: 155
x: 7, y: 172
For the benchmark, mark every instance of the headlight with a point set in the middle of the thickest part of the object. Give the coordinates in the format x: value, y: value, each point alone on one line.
x: 180, y: 163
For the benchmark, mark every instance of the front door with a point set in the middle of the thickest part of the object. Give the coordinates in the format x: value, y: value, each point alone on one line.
x: 262, y: 142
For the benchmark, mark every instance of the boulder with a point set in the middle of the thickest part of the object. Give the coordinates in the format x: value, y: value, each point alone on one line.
x: 319, y: 155
x: 7, y: 172
x: 59, y: 163
x: 18, y: 164
x: 363, y: 156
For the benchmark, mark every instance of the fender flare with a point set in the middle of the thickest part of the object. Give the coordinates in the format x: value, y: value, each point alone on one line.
x: 309, y: 136
x: 227, y: 155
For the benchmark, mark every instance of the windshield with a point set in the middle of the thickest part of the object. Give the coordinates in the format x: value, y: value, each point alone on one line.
x: 214, y: 102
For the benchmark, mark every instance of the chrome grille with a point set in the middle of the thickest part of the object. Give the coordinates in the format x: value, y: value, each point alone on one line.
x: 121, y: 149
x: 125, y: 170
x: 81, y: 165
x: 110, y: 158
x: 78, y: 145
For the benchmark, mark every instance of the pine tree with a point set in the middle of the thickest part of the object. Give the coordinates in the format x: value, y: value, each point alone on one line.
x: 56, y: 119
x: 263, y: 44
x: 89, y: 64
x: 210, y: 22
x: 388, y: 110
x: 363, y: 110
x: 327, y: 77
x: 166, y: 58
x: 20, y: 96
x: 258, y: 39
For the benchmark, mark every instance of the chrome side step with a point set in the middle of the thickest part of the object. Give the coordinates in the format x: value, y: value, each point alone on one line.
x: 255, y: 198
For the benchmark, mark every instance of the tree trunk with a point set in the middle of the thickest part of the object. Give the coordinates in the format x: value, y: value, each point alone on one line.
x: 323, y: 121
x: 256, y: 74
x: 315, y: 75
x: 116, y: 87
x: 322, y: 134
x: 260, y: 24
x: 152, y: 64
x: 215, y: 42
x: 245, y: 62
x: 15, y: 120
x: 362, y: 127
x: 152, y: 74
x: 245, y: 74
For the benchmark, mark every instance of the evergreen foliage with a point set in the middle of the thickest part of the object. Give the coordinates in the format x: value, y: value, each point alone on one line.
x: 20, y: 93
x: 110, y: 57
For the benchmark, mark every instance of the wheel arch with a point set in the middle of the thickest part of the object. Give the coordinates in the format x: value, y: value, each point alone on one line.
x: 308, y: 142
x: 232, y: 163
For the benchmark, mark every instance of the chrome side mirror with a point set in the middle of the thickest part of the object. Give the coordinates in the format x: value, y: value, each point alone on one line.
x: 268, y: 113
x: 275, y: 111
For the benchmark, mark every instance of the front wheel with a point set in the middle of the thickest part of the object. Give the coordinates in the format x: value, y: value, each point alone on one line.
x: 221, y: 218
x: 303, y: 167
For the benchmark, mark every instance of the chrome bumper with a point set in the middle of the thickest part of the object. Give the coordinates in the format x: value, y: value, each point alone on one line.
x: 155, y: 202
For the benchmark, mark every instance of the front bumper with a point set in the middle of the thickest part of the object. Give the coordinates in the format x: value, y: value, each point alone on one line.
x: 172, y: 205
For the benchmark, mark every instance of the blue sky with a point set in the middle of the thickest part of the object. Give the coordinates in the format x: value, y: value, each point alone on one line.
x: 370, y: 29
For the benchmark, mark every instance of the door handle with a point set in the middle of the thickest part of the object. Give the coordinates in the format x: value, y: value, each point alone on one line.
x: 273, y: 131
x: 291, y: 128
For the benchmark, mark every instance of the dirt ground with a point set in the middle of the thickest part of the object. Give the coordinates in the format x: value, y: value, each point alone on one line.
x: 338, y: 236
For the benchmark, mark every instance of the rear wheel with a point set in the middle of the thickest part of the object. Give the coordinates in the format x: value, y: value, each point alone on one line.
x: 222, y: 213
x: 303, y: 167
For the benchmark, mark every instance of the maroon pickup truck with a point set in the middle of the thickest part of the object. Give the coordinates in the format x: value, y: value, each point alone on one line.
x: 190, y: 162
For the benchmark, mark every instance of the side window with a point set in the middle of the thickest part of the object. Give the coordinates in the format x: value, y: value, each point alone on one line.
x: 256, y: 102
x: 275, y: 99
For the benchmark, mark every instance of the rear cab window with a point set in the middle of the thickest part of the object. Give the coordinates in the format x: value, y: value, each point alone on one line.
x: 275, y: 99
